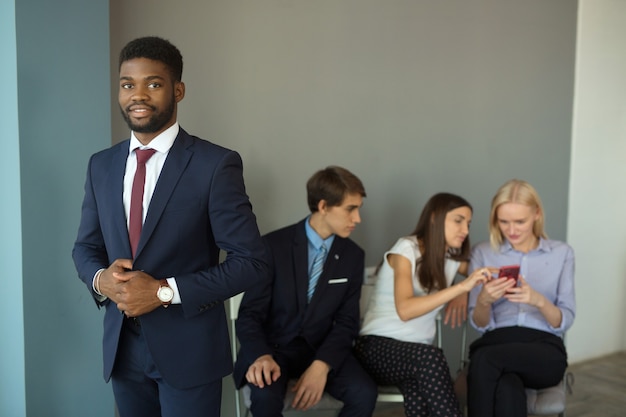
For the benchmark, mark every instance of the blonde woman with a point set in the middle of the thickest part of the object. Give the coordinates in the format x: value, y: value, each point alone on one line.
x: 522, y: 320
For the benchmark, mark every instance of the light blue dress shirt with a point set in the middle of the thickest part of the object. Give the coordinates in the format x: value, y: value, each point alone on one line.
x: 315, y: 243
x: 548, y: 269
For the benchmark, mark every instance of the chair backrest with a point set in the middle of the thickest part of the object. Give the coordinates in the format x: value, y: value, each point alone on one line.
x: 233, y: 310
x: 233, y: 306
x: 369, y: 282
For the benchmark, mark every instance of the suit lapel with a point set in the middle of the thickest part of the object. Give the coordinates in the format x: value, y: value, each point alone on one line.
x: 301, y: 262
x: 175, y: 164
x: 330, y: 266
x: 116, y: 187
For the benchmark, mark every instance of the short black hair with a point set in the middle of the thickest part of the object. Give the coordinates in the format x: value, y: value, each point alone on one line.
x: 156, y: 49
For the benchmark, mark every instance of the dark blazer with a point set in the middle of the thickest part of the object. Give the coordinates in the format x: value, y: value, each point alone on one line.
x: 199, y: 206
x: 276, y: 312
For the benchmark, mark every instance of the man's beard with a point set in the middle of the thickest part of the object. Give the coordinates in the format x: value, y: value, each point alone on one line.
x: 156, y: 122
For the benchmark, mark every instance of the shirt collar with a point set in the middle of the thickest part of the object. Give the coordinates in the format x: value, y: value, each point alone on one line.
x: 544, y: 246
x: 162, y: 142
x: 314, y: 239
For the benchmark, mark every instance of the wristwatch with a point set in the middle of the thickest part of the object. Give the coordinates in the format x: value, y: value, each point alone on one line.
x: 165, y: 293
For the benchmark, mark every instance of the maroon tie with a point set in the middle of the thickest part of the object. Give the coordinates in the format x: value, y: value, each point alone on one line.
x: 136, y: 198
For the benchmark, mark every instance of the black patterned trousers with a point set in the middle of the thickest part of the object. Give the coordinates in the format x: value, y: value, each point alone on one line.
x: 419, y: 370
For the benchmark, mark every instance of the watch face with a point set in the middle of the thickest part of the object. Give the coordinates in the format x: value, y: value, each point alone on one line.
x: 165, y: 294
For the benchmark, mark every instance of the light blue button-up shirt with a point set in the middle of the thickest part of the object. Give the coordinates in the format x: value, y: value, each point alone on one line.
x: 315, y: 243
x: 548, y: 269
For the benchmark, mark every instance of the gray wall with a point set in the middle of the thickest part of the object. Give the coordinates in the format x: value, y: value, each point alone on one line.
x: 415, y: 97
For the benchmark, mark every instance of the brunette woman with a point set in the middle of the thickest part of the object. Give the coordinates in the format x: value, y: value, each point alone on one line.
x: 414, y: 283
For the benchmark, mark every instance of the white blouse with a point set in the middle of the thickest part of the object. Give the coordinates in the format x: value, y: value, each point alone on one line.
x: 381, y: 317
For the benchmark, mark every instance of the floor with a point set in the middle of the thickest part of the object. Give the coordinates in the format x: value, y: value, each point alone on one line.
x: 599, y: 390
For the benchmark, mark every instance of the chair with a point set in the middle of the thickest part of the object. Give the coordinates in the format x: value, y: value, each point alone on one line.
x: 541, y: 402
x: 327, y: 403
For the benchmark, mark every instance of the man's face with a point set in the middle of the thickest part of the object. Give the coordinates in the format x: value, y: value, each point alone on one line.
x: 148, y: 96
x: 342, y: 219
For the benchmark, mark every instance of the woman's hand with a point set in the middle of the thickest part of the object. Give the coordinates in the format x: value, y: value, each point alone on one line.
x: 494, y: 289
x: 527, y: 295
x: 479, y: 276
x: 524, y: 294
x: 456, y: 311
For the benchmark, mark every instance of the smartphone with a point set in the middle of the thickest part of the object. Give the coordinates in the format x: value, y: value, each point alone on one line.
x: 509, y: 271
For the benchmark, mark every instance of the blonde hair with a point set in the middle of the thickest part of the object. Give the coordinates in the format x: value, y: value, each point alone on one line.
x: 514, y: 191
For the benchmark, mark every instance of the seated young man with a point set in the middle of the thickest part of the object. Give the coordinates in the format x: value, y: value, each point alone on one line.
x: 302, y: 320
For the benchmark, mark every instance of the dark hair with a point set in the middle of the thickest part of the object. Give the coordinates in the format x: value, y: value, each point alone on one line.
x: 430, y: 230
x: 332, y: 184
x: 156, y: 49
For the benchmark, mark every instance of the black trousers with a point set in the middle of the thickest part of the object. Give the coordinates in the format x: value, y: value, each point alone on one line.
x: 141, y: 391
x: 349, y: 384
x: 504, y: 362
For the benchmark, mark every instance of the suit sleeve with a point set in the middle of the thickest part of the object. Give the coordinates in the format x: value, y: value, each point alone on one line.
x: 252, y: 320
x: 89, y: 252
x: 234, y: 231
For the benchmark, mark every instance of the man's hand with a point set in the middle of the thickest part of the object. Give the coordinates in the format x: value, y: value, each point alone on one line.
x: 263, y: 371
x: 110, y: 286
x: 134, y: 292
x: 310, y: 386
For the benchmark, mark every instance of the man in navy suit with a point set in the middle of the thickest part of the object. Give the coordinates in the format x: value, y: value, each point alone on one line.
x: 285, y: 334
x: 165, y: 345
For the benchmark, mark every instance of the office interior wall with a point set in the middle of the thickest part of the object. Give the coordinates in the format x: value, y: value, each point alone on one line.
x: 12, y: 385
x: 415, y: 97
x: 63, y: 109
x: 597, y: 201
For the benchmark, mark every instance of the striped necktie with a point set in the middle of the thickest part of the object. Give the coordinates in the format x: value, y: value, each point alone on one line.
x: 316, y: 271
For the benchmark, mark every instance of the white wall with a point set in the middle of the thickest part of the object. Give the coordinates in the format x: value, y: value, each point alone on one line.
x: 597, y: 214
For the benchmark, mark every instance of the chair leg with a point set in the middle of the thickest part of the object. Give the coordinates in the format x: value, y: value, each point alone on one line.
x: 237, y: 403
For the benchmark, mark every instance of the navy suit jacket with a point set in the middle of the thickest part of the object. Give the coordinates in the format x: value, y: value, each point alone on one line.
x: 276, y: 311
x: 199, y: 206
